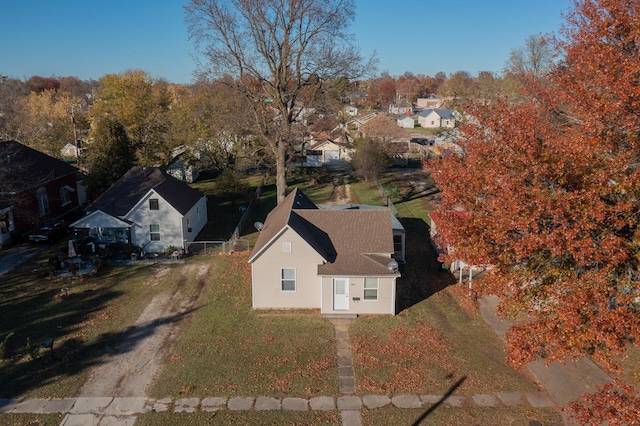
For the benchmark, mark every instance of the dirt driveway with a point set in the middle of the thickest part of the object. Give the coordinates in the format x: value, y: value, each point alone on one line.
x: 128, y: 369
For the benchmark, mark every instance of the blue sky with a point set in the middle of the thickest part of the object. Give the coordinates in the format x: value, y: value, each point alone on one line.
x: 89, y: 39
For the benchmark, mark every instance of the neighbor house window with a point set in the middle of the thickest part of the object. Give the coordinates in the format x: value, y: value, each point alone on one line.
x: 288, y: 279
x: 153, y: 204
x: 154, y: 232
x: 43, y: 201
x: 286, y: 247
x: 371, y: 289
x: 64, y: 196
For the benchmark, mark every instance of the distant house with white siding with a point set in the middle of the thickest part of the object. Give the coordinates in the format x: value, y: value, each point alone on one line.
x: 437, y: 118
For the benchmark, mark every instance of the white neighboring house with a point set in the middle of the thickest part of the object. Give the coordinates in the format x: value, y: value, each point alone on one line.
x: 147, y: 208
x: 438, y: 118
x: 181, y: 169
x: 406, y: 122
x: 331, y: 150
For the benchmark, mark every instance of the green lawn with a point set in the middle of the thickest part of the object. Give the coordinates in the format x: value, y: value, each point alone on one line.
x: 232, y: 418
x: 83, y: 322
x: 227, y: 349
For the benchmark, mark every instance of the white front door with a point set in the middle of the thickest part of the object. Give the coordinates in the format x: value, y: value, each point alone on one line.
x: 340, y: 294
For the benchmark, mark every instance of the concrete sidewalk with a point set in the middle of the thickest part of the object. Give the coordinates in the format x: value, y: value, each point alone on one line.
x: 122, y: 411
x: 564, y: 382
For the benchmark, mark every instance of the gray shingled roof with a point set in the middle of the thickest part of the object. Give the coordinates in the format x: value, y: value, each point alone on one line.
x: 123, y: 195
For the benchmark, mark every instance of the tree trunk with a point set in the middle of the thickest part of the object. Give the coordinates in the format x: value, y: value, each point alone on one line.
x: 281, y: 172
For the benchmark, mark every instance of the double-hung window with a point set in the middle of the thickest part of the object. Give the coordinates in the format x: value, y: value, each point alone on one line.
x: 288, y: 279
x: 154, y: 232
x: 43, y: 201
x: 371, y: 288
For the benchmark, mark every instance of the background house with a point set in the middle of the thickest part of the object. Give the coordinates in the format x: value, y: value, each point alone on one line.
x: 339, y: 261
x: 406, y: 122
x: 437, y: 118
x: 35, y: 188
x: 147, y: 208
x: 330, y: 150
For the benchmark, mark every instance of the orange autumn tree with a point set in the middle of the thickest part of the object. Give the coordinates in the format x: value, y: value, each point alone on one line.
x: 551, y: 187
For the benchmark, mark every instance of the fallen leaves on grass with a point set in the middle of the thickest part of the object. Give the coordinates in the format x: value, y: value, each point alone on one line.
x: 401, y: 361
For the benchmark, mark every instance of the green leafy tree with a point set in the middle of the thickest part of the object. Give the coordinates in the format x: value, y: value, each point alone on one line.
x: 43, y: 120
x: 141, y: 105
x: 370, y: 158
x: 110, y: 156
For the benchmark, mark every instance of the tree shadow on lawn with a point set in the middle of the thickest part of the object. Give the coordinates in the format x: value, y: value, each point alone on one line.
x: 423, y: 275
x: 36, y: 309
x: 74, y: 356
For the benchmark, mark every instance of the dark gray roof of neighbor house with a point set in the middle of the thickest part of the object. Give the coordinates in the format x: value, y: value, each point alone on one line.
x: 33, y: 167
x: 352, y: 241
x: 123, y: 195
x: 444, y: 113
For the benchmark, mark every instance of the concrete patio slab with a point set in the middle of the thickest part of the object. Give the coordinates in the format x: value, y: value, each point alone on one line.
x: 213, y: 404
x: 456, y: 400
x: 91, y: 405
x: 322, y: 403
x: 375, y: 401
x: 539, y: 399
x: 117, y: 421
x: 59, y: 405
x: 485, y: 400
x: 80, y: 419
x: 240, y: 403
x: 186, y: 405
x: 430, y: 399
x: 126, y: 406
x: 346, y: 384
x: 350, y: 417
x: 295, y: 404
x: 266, y: 403
x: 7, y: 405
x: 35, y: 405
x: 349, y: 403
x: 406, y: 401
x: 159, y: 405
x: 510, y: 399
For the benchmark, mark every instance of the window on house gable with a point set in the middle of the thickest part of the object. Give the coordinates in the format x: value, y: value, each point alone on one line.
x: 154, y: 232
x: 286, y: 247
x: 43, y: 201
x: 371, y: 288
x: 288, y: 279
x: 154, y: 204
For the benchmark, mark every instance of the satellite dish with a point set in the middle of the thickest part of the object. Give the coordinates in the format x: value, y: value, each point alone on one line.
x: 393, y: 265
x: 258, y: 225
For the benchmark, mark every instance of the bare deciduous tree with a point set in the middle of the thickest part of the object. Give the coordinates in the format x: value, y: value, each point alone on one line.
x: 536, y: 56
x: 281, y: 54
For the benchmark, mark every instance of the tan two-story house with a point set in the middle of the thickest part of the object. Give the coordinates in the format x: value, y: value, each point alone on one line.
x: 339, y: 261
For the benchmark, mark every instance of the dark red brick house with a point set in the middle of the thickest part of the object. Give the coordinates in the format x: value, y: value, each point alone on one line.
x: 35, y: 188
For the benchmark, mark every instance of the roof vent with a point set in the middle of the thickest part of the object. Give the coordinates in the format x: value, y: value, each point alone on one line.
x: 258, y: 225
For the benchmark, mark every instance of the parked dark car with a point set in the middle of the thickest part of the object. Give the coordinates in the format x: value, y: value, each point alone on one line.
x: 48, y: 232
